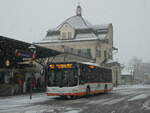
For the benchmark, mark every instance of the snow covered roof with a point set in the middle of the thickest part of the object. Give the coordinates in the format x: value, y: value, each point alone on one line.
x: 125, y: 71
x: 102, y: 26
x: 110, y: 61
x: 77, y: 22
x: 53, y: 37
x: 86, y: 35
x: 78, y: 36
x: 48, y: 40
x: 90, y: 63
x: 83, y: 29
x: 102, y: 36
x: 94, y: 64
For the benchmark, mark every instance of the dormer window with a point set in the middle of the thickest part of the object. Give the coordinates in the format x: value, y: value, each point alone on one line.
x: 66, y: 32
x: 66, y: 35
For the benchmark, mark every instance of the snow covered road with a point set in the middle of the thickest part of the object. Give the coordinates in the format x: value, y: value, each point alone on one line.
x: 124, y: 99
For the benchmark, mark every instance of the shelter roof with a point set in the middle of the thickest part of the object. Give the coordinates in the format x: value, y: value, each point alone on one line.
x: 9, y: 46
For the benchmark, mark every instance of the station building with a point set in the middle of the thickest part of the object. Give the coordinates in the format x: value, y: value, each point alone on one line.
x: 79, y: 40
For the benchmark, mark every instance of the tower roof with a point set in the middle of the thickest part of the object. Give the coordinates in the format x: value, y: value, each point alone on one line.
x: 79, y: 11
x: 83, y: 29
x: 77, y: 22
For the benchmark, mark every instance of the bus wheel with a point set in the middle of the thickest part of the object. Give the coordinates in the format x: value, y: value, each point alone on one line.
x: 73, y: 97
x: 69, y: 97
x: 105, y: 89
x: 88, y: 91
x: 63, y: 97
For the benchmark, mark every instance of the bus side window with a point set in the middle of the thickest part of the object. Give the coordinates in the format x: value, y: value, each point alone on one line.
x: 82, y: 75
x: 103, y: 75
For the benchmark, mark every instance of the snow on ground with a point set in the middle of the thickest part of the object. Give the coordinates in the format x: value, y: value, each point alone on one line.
x: 22, y: 100
x: 113, y: 101
x: 16, y: 103
x: 98, y: 101
x: 142, y: 96
x: 108, y: 101
x: 73, y: 111
x: 129, y: 89
x: 23, y: 104
x: 146, y: 105
x: 139, y: 86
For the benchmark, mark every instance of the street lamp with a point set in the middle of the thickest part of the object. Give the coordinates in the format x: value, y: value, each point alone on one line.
x: 32, y: 49
x: 7, y: 63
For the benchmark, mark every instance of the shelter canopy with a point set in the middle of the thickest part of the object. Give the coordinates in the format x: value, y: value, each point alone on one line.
x: 9, y: 46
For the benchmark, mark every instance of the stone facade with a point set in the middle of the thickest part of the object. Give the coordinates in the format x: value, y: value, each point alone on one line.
x: 116, y: 72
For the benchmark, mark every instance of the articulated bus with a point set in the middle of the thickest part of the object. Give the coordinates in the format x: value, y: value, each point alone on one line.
x: 72, y: 79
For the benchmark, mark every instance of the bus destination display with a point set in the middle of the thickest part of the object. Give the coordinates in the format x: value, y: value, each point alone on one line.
x: 60, y: 66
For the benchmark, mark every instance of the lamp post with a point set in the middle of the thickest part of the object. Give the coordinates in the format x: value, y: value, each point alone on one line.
x: 32, y: 49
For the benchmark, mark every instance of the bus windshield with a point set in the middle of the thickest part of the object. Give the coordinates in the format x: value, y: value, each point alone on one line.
x: 62, y: 77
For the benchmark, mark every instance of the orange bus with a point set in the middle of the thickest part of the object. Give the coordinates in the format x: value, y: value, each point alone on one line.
x: 72, y: 79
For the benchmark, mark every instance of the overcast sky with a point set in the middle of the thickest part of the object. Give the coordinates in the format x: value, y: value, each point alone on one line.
x: 28, y: 20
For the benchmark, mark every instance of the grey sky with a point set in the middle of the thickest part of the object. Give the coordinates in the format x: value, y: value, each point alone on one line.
x: 28, y: 20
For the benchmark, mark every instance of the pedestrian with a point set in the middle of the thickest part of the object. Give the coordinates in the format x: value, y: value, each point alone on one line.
x: 28, y: 84
x: 24, y: 87
x: 39, y: 83
x: 20, y: 85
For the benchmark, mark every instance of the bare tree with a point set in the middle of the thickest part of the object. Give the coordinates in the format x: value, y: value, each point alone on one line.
x: 135, y: 70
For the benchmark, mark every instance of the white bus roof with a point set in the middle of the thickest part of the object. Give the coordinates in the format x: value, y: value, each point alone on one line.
x: 89, y: 63
x: 94, y: 64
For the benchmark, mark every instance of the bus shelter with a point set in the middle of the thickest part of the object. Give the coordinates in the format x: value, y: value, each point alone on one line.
x: 18, y: 60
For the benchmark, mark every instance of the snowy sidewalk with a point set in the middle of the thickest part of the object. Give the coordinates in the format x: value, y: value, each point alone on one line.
x: 13, y: 103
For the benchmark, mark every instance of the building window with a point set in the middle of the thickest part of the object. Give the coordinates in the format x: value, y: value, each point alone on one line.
x: 89, y: 52
x: 63, y: 35
x: 105, y: 54
x: 84, y: 52
x: 98, y: 53
x: 69, y: 35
